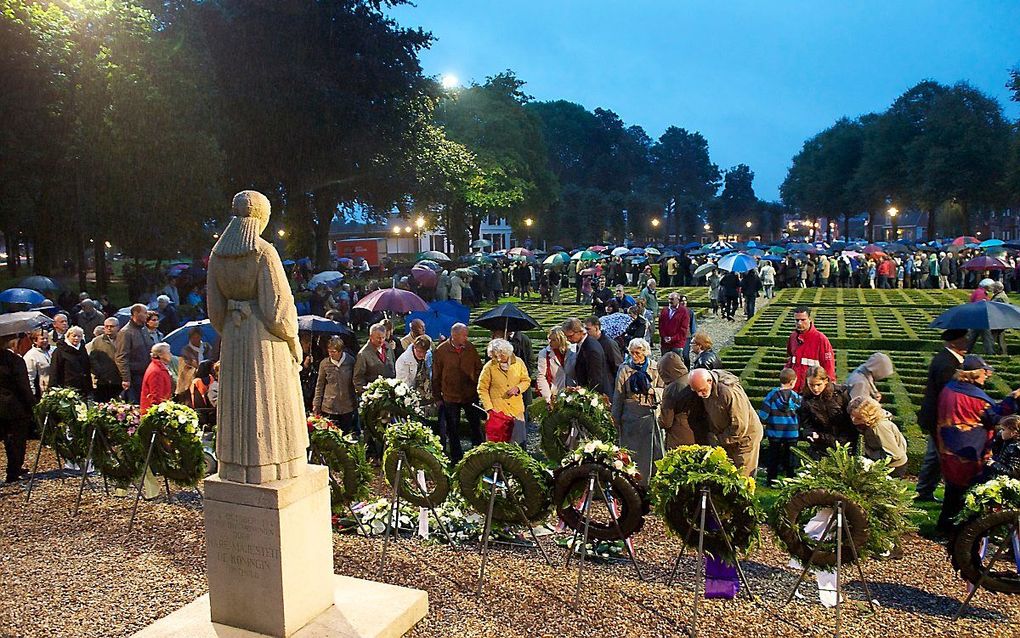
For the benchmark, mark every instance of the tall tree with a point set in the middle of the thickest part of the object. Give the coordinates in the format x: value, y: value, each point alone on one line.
x: 685, y: 177
x: 738, y: 203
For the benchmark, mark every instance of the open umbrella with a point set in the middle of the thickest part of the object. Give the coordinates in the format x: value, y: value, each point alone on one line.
x: 773, y: 258
x: 321, y: 325
x: 14, y: 323
x: 655, y: 252
x: 556, y: 259
x: 964, y: 240
x: 477, y: 258
x: 392, y: 300
x: 506, y: 317
x: 704, y: 269
x: 179, y: 338
x: 584, y: 255
x: 621, y: 250
x: 431, y: 265
x: 872, y: 249
x: 737, y: 262
x: 452, y: 308
x: 777, y: 250
x: 991, y: 243
x: 176, y: 270
x: 615, y: 324
x: 327, y: 278
x: 519, y: 252
x: 424, y: 276
x: 587, y: 272
x: 597, y: 249
x: 38, y: 282
x: 896, y: 248
x: 979, y: 315
x: 985, y: 262
x: 437, y: 324
x: 481, y: 243
x: 22, y: 295
x: 434, y: 255
x: 756, y: 252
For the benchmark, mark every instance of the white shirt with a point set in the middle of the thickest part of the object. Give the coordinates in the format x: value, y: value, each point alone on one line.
x: 38, y: 363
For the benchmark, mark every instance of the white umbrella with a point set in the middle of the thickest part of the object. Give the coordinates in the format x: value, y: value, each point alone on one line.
x: 14, y: 323
x: 704, y: 269
x: 619, y: 250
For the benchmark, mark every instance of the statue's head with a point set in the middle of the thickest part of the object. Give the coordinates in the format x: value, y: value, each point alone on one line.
x: 252, y: 204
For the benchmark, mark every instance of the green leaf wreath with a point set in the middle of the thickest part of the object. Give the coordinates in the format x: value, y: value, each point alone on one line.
x: 383, y: 401
x: 580, y: 408
x: 349, y: 469
x: 67, y: 412
x: 177, y: 454
x: 885, y: 500
x: 675, y: 489
x: 528, y: 482
x: 116, y: 451
x: 423, y: 452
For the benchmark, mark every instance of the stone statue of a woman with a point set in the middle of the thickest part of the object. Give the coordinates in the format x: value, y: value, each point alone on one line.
x: 262, y: 434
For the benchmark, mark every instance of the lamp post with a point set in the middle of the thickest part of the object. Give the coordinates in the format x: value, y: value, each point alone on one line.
x: 893, y: 211
x: 528, y: 222
x: 419, y: 225
x: 655, y: 227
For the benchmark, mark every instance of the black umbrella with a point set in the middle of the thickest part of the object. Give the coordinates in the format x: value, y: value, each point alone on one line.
x: 506, y: 317
x: 979, y: 315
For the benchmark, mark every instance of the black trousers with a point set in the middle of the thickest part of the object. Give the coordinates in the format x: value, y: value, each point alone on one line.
x: 749, y: 301
x: 730, y: 306
x: 108, y: 391
x: 15, y: 436
x: 952, y: 503
x: 449, y: 432
x: 343, y: 421
x: 780, y: 456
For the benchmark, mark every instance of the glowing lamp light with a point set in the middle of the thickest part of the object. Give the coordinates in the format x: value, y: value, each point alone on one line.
x: 407, y: 229
x: 655, y: 222
x: 396, y: 230
x: 450, y: 81
x: 420, y: 223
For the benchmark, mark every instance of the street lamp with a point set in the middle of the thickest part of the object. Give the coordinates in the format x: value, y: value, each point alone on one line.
x: 396, y: 230
x: 420, y: 223
x: 893, y: 211
x: 528, y: 221
x: 282, y: 233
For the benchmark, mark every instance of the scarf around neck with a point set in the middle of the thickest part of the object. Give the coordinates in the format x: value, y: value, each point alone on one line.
x: 639, y: 382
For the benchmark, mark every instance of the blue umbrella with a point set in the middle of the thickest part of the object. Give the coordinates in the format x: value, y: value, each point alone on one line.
x: 22, y: 295
x: 175, y: 270
x: 328, y: 278
x: 314, y: 323
x: 756, y: 252
x: 737, y: 262
x: 991, y: 243
x: 453, y: 309
x: 289, y: 262
x: 979, y: 315
x: 179, y: 338
x: 38, y: 282
x: 636, y: 251
x: 774, y: 258
x: 436, y: 323
x: 691, y: 244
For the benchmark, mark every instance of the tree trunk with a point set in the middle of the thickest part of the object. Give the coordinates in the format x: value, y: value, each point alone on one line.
x: 10, y: 240
x: 965, y: 211
x: 932, y: 228
x: 457, y: 229
x: 323, y: 220
x: 871, y: 227
x: 80, y: 259
x: 99, y: 249
x: 846, y: 226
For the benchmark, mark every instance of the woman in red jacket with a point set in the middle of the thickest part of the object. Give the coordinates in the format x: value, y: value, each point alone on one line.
x: 157, y: 385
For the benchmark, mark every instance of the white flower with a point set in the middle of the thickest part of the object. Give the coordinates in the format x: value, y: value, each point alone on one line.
x: 400, y: 390
x: 182, y: 419
x: 595, y: 403
x: 618, y: 464
x: 590, y: 447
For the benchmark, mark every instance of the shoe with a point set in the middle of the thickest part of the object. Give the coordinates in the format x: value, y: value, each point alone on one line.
x: 927, y: 498
x: 23, y: 472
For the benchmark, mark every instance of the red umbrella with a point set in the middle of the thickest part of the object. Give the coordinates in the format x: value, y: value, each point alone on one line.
x: 964, y: 240
x: 425, y: 276
x: 519, y: 252
x: 392, y: 300
x: 597, y: 249
x: 984, y: 262
x: 872, y: 249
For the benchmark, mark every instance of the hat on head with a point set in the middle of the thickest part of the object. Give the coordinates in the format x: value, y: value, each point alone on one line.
x: 974, y: 362
x: 984, y: 283
x: 953, y: 334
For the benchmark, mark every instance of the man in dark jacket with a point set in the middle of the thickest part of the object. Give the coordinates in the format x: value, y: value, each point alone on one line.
x: 750, y: 286
x: 730, y: 285
x: 133, y: 353
x: 610, y: 349
x: 16, y: 402
x: 455, y: 370
x: 940, y: 372
x: 590, y: 369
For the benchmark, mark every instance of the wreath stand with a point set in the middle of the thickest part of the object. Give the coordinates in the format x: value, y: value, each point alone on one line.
x: 706, y: 505
x: 38, y: 453
x: 988, y: 570
x: 85, y: 468
x: 499, y: 483
x: 394, y: 518
x: 332, y: 479
x: 141, y: 481
x: 594, y: 486
x: 837, y: 520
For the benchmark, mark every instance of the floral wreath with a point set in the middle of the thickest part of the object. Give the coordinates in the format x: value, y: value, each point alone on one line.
x: 115, y: 453
x: 384, y: 400
x: 178, y: 453
x: 423, y: 451
x: 527, y: 482
x: 67, y: 413
x: 675, y: 491
x: 608, y: 454
x: 349, y: 469
x: 587, y: 410
x: 1002, y: 493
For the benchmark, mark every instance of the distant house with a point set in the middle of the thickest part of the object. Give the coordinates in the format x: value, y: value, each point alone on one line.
x: 911, y: 225
x: 404, y: 238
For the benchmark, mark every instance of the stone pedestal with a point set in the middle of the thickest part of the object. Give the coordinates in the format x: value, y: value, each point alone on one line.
x: 270, y: 552
x: 270, y: 564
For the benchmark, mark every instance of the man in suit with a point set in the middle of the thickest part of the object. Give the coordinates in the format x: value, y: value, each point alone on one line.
x: 16, y: 402
x: 614, y: 358
x: 375, y: 359
x: 940, y: 371
x: 674, y: 324
x: 590, y: 370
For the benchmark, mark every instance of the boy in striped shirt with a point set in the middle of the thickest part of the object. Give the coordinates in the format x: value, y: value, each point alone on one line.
x: 778, y: 414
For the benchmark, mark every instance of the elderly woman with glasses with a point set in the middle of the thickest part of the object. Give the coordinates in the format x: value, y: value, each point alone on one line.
x: 502, y: 384
x: 634, y: 403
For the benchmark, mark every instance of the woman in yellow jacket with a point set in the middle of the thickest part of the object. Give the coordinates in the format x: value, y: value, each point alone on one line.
x: 502, y: 384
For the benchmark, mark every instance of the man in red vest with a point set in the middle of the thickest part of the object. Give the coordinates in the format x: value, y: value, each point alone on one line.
x: 808, y: 347
x: 674, y: 325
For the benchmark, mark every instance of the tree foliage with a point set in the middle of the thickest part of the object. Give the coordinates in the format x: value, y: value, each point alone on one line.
x: 685, y: 177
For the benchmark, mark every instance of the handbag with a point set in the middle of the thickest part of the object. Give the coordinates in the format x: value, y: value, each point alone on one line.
x: 499, y: 427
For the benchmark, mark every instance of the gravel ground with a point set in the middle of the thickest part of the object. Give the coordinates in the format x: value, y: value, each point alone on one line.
x: 85, y: 576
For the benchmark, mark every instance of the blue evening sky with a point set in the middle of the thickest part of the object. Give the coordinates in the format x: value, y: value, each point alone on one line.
x: 756, y: 78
